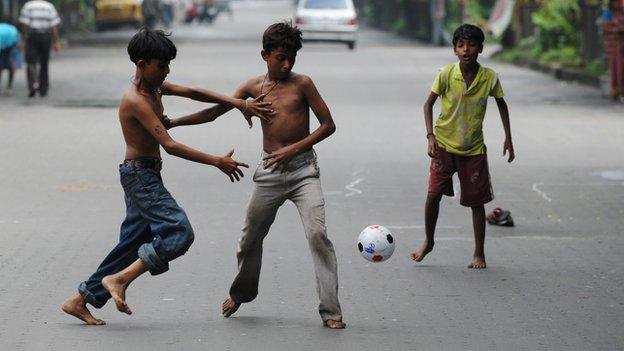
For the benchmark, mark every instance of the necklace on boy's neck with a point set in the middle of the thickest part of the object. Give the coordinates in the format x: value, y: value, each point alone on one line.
x: 272, y: 87
x: 134, y: 81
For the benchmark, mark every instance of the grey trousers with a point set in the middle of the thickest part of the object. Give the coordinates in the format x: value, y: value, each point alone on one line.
x: 299, y: 182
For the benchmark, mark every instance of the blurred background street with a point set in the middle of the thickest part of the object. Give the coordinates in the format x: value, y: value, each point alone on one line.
x: 555, y: 281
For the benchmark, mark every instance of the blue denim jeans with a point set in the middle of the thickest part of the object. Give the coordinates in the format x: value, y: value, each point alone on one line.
x: 156, y: 230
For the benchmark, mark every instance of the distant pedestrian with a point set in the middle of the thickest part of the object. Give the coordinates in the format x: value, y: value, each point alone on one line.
x: 288, y: 171
x: 152, y: 11
x: 156, y: 229
x: 40, y: 23
x: 10, y: 54
x: 437, y: 12
x: 168, y: 12
x: 456, y: 144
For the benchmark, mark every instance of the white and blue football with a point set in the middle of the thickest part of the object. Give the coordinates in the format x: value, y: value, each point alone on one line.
x: 376, y: 243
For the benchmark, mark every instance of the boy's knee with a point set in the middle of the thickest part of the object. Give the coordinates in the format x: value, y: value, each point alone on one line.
x: 318, y: 239
x: 247, y: 243
x: 433, y: 197
x: 188, y: 237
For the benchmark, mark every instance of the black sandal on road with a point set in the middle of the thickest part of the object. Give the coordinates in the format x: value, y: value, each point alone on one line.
x: 500, y: 217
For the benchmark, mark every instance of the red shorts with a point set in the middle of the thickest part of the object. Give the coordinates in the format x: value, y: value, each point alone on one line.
x: 473, y: 173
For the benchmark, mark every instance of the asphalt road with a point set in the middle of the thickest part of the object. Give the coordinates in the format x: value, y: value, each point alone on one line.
x: 554, y: 282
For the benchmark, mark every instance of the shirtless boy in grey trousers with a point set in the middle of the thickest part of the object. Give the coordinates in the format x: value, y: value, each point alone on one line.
x: 288, y: 170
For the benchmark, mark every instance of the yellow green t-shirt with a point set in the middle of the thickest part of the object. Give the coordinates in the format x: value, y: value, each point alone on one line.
x: 459, y: 127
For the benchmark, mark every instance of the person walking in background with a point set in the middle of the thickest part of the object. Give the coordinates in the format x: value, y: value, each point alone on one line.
x: 152, y: 12
x: 437, y: 11
x: 40, y: 22
x: 168, y: 13
x: 10, y: 54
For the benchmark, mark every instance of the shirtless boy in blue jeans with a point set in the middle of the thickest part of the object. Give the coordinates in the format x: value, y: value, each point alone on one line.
x: 288, y: 171
x: 156, y: 230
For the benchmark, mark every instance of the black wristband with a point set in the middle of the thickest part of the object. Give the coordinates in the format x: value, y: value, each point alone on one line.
x: 430, y: 134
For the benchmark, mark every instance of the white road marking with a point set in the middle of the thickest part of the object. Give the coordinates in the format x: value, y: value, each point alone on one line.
x: 544, y: 237
x: 534, y: 238
x: 453, y: 238
x: 351, y: 188
x: 613, y: 175
x: 421, y: 226
x: 541, y: 193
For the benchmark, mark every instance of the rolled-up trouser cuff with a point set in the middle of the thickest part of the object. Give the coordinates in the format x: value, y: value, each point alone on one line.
x: 89, y: 297
x: 154, y: 264
x: 239, y: 299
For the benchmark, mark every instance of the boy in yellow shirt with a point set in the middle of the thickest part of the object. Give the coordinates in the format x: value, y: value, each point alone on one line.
x: 456, y: 144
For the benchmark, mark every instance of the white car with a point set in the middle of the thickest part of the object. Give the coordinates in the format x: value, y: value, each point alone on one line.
x: 328, y: 20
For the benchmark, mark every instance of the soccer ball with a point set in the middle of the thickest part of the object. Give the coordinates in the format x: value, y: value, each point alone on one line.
x: 376, y: 243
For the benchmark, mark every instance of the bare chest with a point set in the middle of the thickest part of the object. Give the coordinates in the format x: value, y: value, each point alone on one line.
x: 285, y: 99
x: 155, y: 102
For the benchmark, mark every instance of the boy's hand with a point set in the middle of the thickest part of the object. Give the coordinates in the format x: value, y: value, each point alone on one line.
x: 257, y: 107
x: 280, y: 157
x: 167, y: 122
x: 508, y: 146
x: 432, y: 146
x: 230, y: 167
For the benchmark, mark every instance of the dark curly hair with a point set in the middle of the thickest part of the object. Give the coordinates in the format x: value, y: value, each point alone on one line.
x: 149, y: 44
x: 281, y: 35
x: 468, y: 32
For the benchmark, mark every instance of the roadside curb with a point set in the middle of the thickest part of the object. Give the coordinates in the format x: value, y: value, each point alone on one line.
x: 562, y: 73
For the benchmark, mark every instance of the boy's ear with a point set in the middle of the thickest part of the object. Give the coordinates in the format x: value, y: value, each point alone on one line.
x: 481, y: 48
x: 141, y: 63
x: 264, y: 54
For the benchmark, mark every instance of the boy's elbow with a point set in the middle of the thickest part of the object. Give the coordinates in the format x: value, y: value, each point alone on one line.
x: 171, y: 147
x: 193, y: 94
x: 331, y: 128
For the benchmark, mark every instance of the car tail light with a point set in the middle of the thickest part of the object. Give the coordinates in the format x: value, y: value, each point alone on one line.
x: 352, y: 21
x: 299, y: 20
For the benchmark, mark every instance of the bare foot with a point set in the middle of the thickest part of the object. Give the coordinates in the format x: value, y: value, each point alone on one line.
x: 478, y: 263
x: 332, y: 324
x: 76, y: 306
x: 229, y: 307
x: 117, y: 288
x: 422, y: 251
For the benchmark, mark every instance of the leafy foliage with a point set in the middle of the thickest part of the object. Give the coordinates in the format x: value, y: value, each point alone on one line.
x: 557, y: 23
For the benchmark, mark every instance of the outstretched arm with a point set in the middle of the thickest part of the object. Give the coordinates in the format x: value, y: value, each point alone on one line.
x: 150, y: 121
x: 504, y: 113
x: 198, y: 94
x: 428, y: 111
x: 325, y: 129
x: 203, y: 116
x: 254, y: 107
